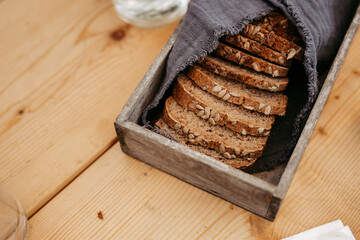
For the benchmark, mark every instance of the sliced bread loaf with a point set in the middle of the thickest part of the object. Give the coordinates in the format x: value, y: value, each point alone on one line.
x: 238, y: 162
x: 269, y: 38
x: 247, y: 60
x: 225, y: 141
x: 258, y: 49
x: 238, y: 93
x: 220, y: 112
x: 231, y: 70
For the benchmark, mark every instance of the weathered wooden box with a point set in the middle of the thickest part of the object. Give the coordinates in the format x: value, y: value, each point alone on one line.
x: 248, y: 191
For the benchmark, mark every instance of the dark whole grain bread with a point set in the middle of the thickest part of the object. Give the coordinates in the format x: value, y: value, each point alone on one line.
x: 269, y: 38
x: 253, y: 62
x: 200, y: 132
x: 220, y: 112
x: 233, y: 71
x: 238, y: 162
x: 258, y: 49
x: 277, y: 22
x: 269, y: 103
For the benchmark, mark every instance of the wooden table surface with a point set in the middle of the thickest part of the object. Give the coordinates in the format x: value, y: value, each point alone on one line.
x: 66, y: 70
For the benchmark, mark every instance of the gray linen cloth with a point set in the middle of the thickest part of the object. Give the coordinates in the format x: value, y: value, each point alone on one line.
x: 321, y: 24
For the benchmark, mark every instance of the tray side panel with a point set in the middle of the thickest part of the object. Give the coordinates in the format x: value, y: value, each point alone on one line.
x: 309, y: 127
x: 195, y: 168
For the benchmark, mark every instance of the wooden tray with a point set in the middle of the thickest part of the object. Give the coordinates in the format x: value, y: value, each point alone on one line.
x: 248, y: 191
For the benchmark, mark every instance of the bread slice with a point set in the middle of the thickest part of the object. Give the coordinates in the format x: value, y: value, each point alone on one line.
x: 280, y: 24
x: 225, y: 141
x: 250, y: 61
x: 269, y: 38
x: 258, y: 49
x: 220, y: 112
x: 239, y: 162
x: 250, y: 98
x: 231, y: 70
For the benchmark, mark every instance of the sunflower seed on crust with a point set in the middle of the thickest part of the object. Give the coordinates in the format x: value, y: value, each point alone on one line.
x: 267, y: 110
x: 255, y: 49
x: 227, y: 155
x: 291, y: 53
x: 237, y: 151
x: 200, y: 113
x: 233, y: 156
x: 177, y: 126
x: 249, y: 107
x: 261, y: 105
x: 261, y: 129
x: 199, y: 107
x: 256, y: 30
x: 192, y: 141
x: 256, y: 67
x: 250, y: 30
x: 207, y: 111
x: 213, y: 113
x: 237, y: 57
x: 222, y: 148
x: 191, y: 135
x: 246, y: 45
x: 199, y: 139
x: 245, y: 152
x: 212, y: 121
x: 234, y: 94
x: 243, y: 132
x: 281, y: 60
x: 216, y: 89
x: 192, y: 105
x: 185, y: 130
x: 276, y: 73
x: 226, y: 97
x: 205, y: 116
x: 222, y: 93
x: 217, y: 117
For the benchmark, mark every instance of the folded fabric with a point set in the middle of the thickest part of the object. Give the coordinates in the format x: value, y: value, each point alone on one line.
x: 331, y: 231
x: 322, y: 25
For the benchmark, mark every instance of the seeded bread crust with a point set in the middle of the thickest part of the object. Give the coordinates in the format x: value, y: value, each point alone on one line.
x: 229, y: 143
x: 250, y: 98
x: 203, y: 104
x: 269, y: 38
x: 249, y: 61
x: 281, y: 26
x: 239, y: 162
x: 258, y: 49
x: 230, y: 70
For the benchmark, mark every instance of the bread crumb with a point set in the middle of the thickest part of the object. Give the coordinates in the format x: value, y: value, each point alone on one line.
x: 100, y: 215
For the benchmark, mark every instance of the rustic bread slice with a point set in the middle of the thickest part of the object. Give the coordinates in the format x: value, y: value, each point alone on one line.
x: 250, y: 61
x: 238, y: 162
x: 244, y: 75
x: 227, y: 142
x: 269, y: 38
x: 258, y: 49
x: 220, y: 112
x: 280, y: 24
x: 238, y: 93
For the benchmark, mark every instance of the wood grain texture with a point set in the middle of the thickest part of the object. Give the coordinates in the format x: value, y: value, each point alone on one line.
x: 138, y: 201
x: 67, y: 68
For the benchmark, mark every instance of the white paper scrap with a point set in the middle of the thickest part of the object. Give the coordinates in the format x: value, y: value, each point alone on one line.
x: 331, y: 231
